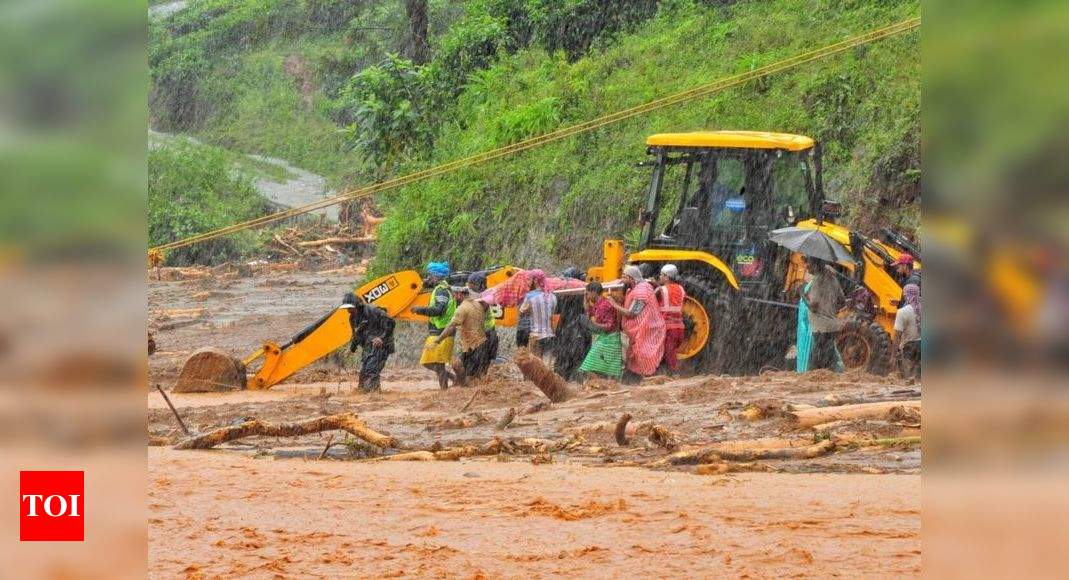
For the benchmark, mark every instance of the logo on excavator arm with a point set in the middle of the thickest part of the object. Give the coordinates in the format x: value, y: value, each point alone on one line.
x: 380, y: 290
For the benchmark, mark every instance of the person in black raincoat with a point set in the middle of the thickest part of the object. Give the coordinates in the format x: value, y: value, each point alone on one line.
x: 373, y: 332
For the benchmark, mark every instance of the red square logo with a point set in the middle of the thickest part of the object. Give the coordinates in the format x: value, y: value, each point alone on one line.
x: 52, y: 506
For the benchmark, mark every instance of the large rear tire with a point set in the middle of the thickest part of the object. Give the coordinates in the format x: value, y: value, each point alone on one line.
x: 707, y: 319
x: 865, y: 345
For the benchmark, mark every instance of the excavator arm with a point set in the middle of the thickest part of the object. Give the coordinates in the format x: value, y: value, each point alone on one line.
x: 397, y: 293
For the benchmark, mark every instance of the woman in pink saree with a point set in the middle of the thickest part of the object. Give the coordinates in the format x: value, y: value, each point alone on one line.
x: 642, y: 323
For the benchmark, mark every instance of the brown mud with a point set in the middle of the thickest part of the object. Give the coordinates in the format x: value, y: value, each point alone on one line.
x: 223, y: 514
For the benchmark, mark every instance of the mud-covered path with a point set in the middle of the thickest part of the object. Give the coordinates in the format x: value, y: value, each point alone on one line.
x: 216, y: 513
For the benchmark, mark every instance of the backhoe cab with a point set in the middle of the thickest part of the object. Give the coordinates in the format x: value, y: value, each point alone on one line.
x: 713, y: 198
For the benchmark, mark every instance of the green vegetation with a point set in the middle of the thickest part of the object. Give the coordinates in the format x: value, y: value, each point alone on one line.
x: 325, y: 85
x: 555, y: 204
x: 194, y: 188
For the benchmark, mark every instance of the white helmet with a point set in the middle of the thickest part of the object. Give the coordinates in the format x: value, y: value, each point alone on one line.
x: 671, y: 271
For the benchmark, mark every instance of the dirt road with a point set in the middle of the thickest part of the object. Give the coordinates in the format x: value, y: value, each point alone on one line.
x: 219, y: 513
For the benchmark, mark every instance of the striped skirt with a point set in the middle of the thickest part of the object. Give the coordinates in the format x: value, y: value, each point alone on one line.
x: 605, y: 357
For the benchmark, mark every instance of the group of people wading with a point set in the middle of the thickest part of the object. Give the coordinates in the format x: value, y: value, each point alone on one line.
x: 636, y: 331
x: 635, y: 338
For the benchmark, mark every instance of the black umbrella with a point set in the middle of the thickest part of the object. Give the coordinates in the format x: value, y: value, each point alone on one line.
x: 812, y: 243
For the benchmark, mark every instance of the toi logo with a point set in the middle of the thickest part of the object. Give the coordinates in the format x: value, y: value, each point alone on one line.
x: 52, y: 506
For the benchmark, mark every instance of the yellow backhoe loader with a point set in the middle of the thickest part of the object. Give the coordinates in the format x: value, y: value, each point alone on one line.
x: 397, y: 293
x: 712, y: 200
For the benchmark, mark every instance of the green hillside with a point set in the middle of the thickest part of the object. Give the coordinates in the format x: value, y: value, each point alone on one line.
x: 320, y: 84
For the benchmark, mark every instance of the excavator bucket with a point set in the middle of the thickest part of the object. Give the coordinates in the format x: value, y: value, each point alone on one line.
x: 210, y: 369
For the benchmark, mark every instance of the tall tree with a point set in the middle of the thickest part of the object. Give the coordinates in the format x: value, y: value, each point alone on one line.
x: 416, y: 47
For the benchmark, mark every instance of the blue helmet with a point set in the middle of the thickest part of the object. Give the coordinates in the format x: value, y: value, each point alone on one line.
x: 439, y: 269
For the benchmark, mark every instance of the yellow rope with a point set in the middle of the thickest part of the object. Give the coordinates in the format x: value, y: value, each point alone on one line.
x: 696, y: 92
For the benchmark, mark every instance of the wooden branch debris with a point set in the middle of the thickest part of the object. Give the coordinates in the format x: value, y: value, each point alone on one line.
x: 181, y: 324
x: 811, y: 417
x: 722, y: 468
x: 330, y: 441
x: 283, y: 243
x: 174, y: 411
x: 741, y: 451
x: 620, y: 432
x: 471, y: 400
x: 159, y: 441
x: 661, y: 436
x: 506, y: 420
x: 337, y: 240
x: 344, y: 422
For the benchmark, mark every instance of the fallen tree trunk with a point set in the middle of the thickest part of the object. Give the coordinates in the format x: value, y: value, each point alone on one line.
x: 344, y: 422
x: 408, y: 456
x: 808, y: 452
x: 336, y: 240
x: 745, y: 451
x: 278, y: 240
x: 492, y: 447
x: 811, y: 417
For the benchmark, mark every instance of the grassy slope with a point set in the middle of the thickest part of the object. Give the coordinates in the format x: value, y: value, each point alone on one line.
x: 266, y: 110
x: 194, y: 188
x: 555, y: 204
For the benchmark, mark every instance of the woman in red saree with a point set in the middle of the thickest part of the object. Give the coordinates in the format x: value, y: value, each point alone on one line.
x: 642, y: 323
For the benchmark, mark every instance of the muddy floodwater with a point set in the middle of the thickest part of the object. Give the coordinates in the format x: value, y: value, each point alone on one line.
x: 214, y: 513
x: 593, y: 504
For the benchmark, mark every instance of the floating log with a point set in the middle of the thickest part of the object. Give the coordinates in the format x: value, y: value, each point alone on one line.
x: 746, y: 451
x: 408, y: 456
x: 492, y: 447
x: 550, y: 383
x: 621, y: 430
x: 344, y: 422
x: 811, y: 417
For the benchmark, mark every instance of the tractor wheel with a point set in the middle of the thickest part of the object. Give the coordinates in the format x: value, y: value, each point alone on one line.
x: 696, y: 333
x: 706, y: 344
x: 864, y: 345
